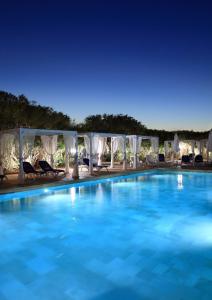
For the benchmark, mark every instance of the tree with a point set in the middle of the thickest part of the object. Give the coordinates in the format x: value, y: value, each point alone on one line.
x: 113, y: 124
x: 20, y: 112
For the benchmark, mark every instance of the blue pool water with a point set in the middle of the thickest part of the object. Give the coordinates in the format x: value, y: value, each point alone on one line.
x: 146, y: 236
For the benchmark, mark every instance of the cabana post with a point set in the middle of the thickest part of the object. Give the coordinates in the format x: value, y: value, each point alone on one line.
x: 124, y: 153
x: 21, y: 170
x: 90, y: 137
x: 111, y: 154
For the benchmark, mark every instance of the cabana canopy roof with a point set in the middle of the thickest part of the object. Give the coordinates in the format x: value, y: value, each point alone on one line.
x: 101, y: 134
x: 144, y: 137
x: 38, y: 132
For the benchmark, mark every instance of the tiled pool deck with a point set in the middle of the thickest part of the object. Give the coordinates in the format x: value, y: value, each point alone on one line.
x: 12, y: 185
x: 145, y: 237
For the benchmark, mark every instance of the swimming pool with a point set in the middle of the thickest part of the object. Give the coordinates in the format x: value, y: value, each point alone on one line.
x: 145, y: 236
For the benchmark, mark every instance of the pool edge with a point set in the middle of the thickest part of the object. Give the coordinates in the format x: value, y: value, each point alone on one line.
x: 91, y: 179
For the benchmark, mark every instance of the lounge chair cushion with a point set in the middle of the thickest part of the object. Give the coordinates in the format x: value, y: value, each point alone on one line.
x: 161, y: 157
x: 29, y: 169
x: 185, y: 159
x: 198, y: 158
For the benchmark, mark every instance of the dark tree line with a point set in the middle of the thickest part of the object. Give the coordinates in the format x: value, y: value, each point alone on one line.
x: 128, y: 125
x: 183, y: 134
x: 112, y: 123
x: 18, y: 111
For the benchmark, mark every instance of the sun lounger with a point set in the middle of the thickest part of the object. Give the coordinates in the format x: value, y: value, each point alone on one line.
x: 45, y: 166
x: 86, y: 161
x: 161, y: 157
x: 198, y: 159
x: 185, y: 160
x: 162, y: 161
x: 2, y: 174
x: 29, y: 169
x: 2, y: 177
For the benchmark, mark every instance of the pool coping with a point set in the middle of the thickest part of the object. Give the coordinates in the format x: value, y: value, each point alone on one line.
x: 90, y: 179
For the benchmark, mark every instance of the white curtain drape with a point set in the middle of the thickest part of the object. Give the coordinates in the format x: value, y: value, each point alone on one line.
x: 98, y: 147
x: 95, y: 145
x: 6, y: 144
x: 122, y: 146
x: 154, y: 145
x: 115, y: 144
x: 176, y: 142
x: 28, y: 144
x: 70, y: 149
x: 70, y: 144
x: 139, y: 144
x: 118, y: 144
x: 199, y: 147
x: 9, y: 151
x: 133, y: 144
x: 49, y: 145
x: 87, y: 144
x: 166, y: 147
x: 101, y: 148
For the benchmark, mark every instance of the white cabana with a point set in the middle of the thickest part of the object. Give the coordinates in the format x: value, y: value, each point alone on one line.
x: 209, y: 144
x: 186, y: 147
x: 95, y: 144
x: 191, y: 146
x: 135, y: 142
x: 24, y: 141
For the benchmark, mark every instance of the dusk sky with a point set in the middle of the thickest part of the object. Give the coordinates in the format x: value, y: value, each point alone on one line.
x: 149, y: 59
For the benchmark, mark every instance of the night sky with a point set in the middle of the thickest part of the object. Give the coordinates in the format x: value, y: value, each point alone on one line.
x: 149, y: 59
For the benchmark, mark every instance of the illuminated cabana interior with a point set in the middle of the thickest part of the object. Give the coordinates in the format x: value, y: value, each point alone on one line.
x: 209, y: 146
x: 95, y: 146
x: 135, y: 143
x: 20, y: 142
x: 168, y: 148
x: 186, y: 147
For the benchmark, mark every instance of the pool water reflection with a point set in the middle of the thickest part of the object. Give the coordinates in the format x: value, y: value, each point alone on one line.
x: 147, y: 236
